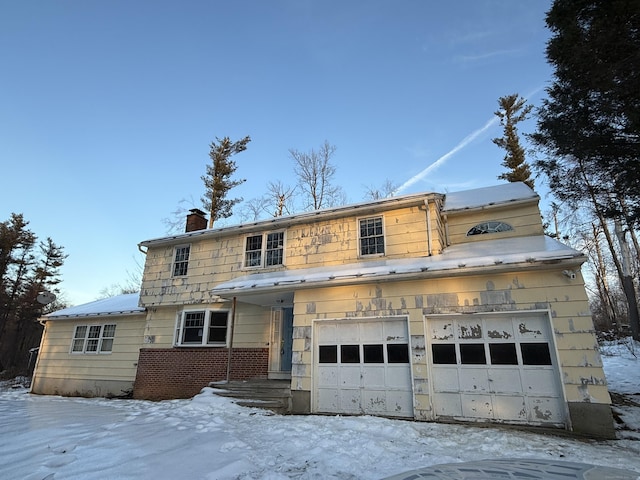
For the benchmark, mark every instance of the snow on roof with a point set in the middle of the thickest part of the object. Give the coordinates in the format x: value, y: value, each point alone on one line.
x: 488, y: 253
x: 118, y: 305
x: 480, y: 197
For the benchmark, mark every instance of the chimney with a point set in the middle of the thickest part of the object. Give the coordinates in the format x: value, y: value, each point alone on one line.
x: 196, y: 220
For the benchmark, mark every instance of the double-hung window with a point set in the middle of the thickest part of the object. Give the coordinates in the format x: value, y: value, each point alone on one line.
x: 93, y: 338
x: 371, y: 236
x: 202, y: 328
x: 264, y: 250
x: 181, y: 260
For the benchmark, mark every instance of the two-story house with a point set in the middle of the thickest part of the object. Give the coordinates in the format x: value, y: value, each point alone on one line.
x: 449, y: 307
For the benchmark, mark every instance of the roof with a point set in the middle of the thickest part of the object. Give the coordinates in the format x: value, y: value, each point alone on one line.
x: 457, y: 259
x: 362, y: 208
x: 126, y: 304
x: 489, y: 196
x: 456, y: 201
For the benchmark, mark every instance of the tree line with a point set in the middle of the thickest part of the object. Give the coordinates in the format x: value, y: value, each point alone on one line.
x: 29, y: 278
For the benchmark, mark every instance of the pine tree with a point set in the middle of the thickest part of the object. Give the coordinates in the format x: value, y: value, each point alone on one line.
x: 217, y: 180
x: 513, y: 109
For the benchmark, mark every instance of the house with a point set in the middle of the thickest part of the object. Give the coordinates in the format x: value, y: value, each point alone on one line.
x: 90, y: 350
x: 428, y: 306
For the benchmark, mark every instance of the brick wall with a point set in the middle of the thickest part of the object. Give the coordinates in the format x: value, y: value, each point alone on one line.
x: 166, y: 373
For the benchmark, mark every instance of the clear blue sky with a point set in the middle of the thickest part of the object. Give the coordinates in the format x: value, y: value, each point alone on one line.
x: 107, y: 108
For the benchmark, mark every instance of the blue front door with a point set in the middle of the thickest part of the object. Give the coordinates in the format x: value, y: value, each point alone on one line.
x: 286, y: 344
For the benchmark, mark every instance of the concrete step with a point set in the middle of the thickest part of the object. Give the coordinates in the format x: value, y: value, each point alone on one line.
x: 274, y: 395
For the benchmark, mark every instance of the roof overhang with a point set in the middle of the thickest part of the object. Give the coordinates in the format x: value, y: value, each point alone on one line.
x: 364, y: 208
x: 493, y: 256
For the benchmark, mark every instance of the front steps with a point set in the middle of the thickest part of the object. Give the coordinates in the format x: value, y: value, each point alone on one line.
x: 274, y: 395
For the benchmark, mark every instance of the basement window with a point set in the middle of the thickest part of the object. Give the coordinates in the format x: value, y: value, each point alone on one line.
x: 489, y: 227
x: 264, y: 250
x: 181, y: 260
x: 202, y: 328
x: 371, y: 236
x: 93, y: 339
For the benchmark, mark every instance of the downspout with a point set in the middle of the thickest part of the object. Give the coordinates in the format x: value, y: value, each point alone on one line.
x: 230, y: 349
x: 42, y: 321
x: 446, y: 230
x: 426, y: 203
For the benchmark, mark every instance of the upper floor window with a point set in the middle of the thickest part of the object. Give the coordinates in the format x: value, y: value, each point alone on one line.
x: 181, y: 260
x: 371, y: 236
x: 202, y: 327
x: 93, y: 338
x: 264, y: 250
x: 489, y: 227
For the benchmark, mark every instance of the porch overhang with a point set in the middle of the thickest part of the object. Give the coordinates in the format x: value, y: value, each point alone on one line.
x: 513, y: 254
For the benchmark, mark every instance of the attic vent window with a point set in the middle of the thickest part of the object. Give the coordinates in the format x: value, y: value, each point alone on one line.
x: 489, y: 227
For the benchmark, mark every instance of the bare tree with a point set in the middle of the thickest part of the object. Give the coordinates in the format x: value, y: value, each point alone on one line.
x: 315, y: 177
x: 386, y: 190
x: 280, y: 198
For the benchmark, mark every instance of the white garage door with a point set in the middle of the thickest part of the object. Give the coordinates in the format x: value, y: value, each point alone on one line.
x: 362, y: 367
x: 498, y: 367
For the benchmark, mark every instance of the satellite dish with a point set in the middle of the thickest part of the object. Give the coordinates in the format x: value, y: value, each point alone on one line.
x: 45, y: 298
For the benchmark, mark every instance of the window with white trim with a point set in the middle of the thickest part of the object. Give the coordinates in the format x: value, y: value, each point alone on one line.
x: 371, y: 236
x: 264, y: 250
x: 181, y: 260
x: 93, y: 338
x: 202, y: 328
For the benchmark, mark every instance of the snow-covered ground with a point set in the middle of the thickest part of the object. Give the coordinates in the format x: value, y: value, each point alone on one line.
x: 209, y: 437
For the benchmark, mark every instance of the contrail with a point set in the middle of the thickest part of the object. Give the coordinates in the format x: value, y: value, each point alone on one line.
x: 466, y: 141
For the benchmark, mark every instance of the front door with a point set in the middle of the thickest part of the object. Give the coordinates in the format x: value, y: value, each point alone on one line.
x: 281, y: 342
x: 286, y: 344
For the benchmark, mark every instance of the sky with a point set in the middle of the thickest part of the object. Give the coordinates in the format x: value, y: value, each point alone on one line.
x: 210, y: 438
x: 108, y: 108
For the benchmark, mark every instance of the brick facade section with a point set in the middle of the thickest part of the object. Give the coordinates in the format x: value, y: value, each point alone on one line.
x: 169, y: 373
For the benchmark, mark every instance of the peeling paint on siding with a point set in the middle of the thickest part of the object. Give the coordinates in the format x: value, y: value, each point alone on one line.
x: 523, y: 329
x: 497, y: 334
x: 311, y: 307
x: 471, y: 331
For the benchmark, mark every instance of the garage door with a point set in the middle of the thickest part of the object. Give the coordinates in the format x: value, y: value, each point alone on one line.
x: 495, y: 367
x: 362, y: 367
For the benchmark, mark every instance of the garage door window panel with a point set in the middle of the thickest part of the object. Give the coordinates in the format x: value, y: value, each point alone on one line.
x: 349, y: 354
x: 472, y: 354
x: 535, y: 354
x: 444, y: 354
x: 503, y: 354
x: 328, y: 354
x: 373, y: 353
x: 398, y: 353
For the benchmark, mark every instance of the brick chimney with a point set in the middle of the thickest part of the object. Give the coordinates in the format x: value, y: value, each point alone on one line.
x: 196, y: 220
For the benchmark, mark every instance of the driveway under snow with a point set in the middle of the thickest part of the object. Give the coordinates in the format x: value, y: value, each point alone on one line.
x: 209, y: 437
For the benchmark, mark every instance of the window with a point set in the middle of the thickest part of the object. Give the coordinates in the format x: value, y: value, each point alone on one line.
x: 472, y: 354
x: 489, y: 227
x: 371, y: 236
x: 444, y: 354
x: 503, y: 354
x: 373, y: 353
x: 202, y: 327
x: 93, y: 338
x: 535, y: 354
x: 349, y: 354
x: 328, y: 353
x: 264, y: 250
x: 181, y: 260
